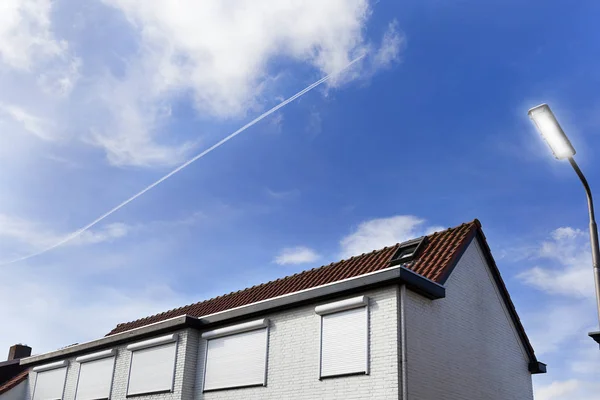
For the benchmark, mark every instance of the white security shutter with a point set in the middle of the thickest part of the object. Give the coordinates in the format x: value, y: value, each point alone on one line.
x: 95, y: 378
x: 236, y: 360
x: 344, y: 342
x: 152, y: 369
x: 49, y: 385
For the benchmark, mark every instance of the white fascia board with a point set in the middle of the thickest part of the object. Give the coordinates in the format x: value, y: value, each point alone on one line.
x: 46, y: 367
x: 153, y: 342
x: 347, y: 304
x: 232, y: 330
x: 118, y: 338
x: 96, y: 356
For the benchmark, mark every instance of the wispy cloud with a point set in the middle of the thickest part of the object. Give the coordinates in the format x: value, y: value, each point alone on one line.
x: 59, y: 311
x: 568, y: 389
x: 377, y: 233
x: 569, y: 272
x: 315, y: 123
x: 558, y: 327
x: 558, y: 390
x: 392, y: 44
x: 205, y: 53
x: 26, y: 34
x: 32, y: 236
x: 282, y: 194
x: 296, y: 255
x: 31, y: 123
x: 220, y: 58
x: 89, y: 290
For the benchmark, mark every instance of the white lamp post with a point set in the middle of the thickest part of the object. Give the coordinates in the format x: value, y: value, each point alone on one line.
x: 550, y: 129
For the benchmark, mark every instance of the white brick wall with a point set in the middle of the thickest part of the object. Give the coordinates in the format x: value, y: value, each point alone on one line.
x: 19, y: 392
x: 465, y: 347
x: 182, y: 389
x: 293, y: 363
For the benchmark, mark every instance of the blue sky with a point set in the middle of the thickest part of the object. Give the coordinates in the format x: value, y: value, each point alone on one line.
x: 100, y: 99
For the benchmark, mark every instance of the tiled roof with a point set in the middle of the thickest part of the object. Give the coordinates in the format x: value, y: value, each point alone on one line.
x: 14, y: 381
x: 437, y: 258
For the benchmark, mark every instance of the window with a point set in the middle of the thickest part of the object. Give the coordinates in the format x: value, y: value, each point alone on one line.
x: 408, y: 251
x: 95, y: 375
x: 344, y: 337
x: 236, y: 356
x: 152, y: 368
x: 50, y: 381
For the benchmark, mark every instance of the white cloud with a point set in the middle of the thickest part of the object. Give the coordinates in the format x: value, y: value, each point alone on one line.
x: 219, y: 55
x: 378, y: 233
x: 32, y: 124
x: 391, y: 45
x: 25, y: 33
x: 283, y: 194
x: 572, y: 389
x: 296, y: 255
x: 571, y: 273
x: 61, y: 79
x: 315, y: 123
x: 563, y: 314
x: 558, y: 390
x: 88, y: 290
x: 555, y: 324
x: 54, y: 311
x: 32, y: 236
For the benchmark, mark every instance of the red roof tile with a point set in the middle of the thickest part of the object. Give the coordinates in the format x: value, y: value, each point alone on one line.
x: 14, y: 381
x: 435, y: 261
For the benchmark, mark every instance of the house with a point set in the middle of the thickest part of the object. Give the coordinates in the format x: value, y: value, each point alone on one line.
x: 13, y: 375
x: 426, y: 319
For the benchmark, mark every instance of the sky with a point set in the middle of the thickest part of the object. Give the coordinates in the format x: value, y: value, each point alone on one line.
x: 101, y: 98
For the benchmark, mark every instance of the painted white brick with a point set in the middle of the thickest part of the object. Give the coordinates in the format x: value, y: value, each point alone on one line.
x: 181, y: 387
x: 465, y: 346
x: 293, y: 361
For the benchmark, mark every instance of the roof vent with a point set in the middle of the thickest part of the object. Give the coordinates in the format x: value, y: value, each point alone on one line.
x: 408, y: 251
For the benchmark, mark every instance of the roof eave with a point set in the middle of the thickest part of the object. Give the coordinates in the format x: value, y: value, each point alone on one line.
x: 182, y: 321
x: 392, y: 275
x: 537, y: 367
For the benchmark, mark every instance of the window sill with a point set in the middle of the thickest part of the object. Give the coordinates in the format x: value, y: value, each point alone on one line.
x: 234, y: 387
x: 148, y: 393
x: 342, y: 375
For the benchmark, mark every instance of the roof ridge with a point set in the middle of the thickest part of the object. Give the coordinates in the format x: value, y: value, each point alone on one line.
x: 288, y: 277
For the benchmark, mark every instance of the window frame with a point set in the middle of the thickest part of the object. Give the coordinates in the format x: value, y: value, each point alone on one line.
x: 232, y: 331
x: 101, y: 355
x: 147, y: 344
x: 48, y: 367
x: 340, y: 307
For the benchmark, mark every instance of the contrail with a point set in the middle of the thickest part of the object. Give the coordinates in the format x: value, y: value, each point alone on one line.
x: 182, y: 166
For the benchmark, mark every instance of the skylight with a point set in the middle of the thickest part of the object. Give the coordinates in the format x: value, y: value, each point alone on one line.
x: 408, y: 251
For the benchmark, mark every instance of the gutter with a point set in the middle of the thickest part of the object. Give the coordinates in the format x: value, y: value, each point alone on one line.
x: 403, y: 344
x: 396, y: 274
x: 392, y: 275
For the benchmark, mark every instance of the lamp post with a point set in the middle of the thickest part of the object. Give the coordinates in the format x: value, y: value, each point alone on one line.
x: 550, y: 129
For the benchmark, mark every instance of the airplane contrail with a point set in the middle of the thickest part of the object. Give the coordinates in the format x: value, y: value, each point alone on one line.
x: 75, y: 234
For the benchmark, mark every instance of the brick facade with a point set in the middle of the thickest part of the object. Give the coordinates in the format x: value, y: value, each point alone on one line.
x: 465, y: 346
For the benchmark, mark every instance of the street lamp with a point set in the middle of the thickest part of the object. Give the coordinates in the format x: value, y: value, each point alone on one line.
x: 548, y: 126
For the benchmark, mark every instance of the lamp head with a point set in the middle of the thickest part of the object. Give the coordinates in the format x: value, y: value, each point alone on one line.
x: 550, y: 129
